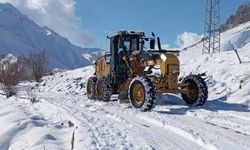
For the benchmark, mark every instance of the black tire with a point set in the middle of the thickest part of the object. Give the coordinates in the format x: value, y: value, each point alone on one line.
x: 146, y: 99
x: 103, y: 89
x: 91, y: 88
x: 201, y: 91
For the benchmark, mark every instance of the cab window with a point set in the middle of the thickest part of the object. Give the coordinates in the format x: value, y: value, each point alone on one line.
x: 129, y: 44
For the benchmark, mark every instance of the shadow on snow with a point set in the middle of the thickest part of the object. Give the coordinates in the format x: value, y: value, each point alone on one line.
x: 214, y: 105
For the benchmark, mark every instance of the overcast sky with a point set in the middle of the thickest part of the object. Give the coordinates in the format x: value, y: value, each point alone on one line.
x: 87, y: 22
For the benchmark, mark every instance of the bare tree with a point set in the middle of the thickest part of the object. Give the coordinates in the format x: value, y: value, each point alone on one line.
x: 11, y: 73
x: 31, y: 94
x: 38, y: 63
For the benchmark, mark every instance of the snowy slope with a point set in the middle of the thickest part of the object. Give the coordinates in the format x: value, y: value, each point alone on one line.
x: 20, y: 36
x: 171, y: 125
x: 100, y: 125
x: 226, y: 78
x: 69, y: 82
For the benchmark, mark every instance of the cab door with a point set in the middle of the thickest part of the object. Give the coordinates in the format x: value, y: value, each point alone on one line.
x: 119, y: 69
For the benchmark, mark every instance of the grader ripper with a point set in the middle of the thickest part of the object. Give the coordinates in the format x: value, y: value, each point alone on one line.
x: 139, y: 73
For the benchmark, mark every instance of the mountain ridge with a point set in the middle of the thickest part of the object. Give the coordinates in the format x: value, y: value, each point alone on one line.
x: 21, y: 36
x: 241, y: 16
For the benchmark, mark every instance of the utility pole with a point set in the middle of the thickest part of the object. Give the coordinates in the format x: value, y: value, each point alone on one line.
x: 211, y: 42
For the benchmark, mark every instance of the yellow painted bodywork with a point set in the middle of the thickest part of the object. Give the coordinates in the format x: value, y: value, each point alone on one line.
x: 169, y: 69
x: 171, y: 65
x: 102, y: 68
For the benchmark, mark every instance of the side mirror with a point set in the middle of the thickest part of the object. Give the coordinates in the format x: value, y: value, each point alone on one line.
x: 152, y: 44
x: 107, y: 58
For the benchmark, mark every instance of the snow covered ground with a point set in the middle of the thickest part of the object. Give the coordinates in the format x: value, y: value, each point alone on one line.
x: 32, y: 126
x: 222, y: 123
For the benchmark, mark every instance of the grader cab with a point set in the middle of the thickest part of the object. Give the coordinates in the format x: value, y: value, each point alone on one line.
x: 137, y: 72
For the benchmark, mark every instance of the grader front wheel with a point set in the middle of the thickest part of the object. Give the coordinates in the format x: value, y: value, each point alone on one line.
x: 142, y: 93
x: 197, y: 91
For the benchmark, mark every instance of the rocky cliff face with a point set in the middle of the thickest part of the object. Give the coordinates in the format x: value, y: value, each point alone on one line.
x: 242, y: 15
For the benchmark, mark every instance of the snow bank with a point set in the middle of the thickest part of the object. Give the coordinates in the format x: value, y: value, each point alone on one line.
x: 32, y: 126
x: 69, y: 82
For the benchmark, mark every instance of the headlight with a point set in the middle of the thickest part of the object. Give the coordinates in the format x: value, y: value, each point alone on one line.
x: 163, y: 57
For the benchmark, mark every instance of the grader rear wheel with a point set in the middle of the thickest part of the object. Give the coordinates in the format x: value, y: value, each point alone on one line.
x: 198, y: 92
x: 91, y: 84
x: 142, y: 93
x: 103, y: 89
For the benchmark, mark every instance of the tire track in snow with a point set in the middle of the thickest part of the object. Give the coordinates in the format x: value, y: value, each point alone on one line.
x: 237, y: 122
x: 139, y: 134
x: 222, y: 120
x: 227, y: 128
x: 204, y: 135
x: 217, y: 136
x: 142, y: 128
x: 165, y: 129
x: 82, y: 122
x: 143, y: 125
x: 105, y: 134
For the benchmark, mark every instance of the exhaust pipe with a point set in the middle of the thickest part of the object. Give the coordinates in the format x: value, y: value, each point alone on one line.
x: 159, y: 43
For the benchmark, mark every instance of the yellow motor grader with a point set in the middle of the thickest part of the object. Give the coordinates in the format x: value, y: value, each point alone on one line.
x: 138, y: 73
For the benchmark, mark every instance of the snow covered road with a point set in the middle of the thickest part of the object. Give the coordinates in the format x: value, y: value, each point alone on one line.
x: 118, y: 126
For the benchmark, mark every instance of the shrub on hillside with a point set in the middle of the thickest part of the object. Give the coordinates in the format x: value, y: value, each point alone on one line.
x: 11, y: 73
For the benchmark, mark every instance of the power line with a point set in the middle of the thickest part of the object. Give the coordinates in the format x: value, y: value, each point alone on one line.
x: 211, y: 42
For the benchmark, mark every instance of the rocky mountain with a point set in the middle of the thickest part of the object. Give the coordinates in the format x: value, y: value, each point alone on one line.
x: 242, y: 16
x: 20, y: 36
